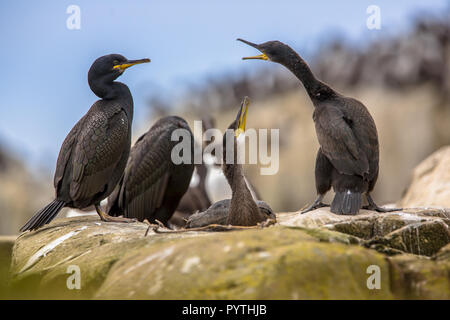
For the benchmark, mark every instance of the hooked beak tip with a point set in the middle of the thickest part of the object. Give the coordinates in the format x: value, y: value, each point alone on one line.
x: 254, y: 45
x: 145, y: 60
x: 262, y: 56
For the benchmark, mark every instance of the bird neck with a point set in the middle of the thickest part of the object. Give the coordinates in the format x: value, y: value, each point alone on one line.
x: 235, y: 177
x: 301, y: 70
x: 108, y: 89
x: 243, y: 209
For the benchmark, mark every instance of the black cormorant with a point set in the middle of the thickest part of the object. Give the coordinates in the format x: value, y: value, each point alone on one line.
x: 153, y: 184
x: 216, y: 184
x: 347, y: 159
x: 241, y: 209
x: 94, y: 154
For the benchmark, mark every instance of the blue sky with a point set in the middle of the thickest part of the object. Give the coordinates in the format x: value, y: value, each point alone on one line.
x: 44, y: 65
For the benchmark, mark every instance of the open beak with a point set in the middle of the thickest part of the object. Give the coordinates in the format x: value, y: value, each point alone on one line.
x: 130, y: 63
x: 242, y: 117
x: 262, y: 56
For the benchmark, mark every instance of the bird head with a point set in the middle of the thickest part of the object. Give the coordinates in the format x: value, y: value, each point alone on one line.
x: 108, y: 68
x: 274, y: 51
x: 112, y: 66
x: 279, y: 52
x: 238, y: 125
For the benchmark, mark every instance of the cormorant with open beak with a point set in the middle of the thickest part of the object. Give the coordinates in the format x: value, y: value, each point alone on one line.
x: 241, y: 209
x: 348, y: 156
x: 94, y: 154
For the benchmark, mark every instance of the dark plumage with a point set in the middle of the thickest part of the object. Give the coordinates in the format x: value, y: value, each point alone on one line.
x: 348, y: 156
x: 241, y: 209
x: 196, y: 197
x: 94, y: 154
x: 153, y: 184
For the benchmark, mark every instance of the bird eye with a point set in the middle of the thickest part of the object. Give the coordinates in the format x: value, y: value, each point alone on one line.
x: 116, y: 62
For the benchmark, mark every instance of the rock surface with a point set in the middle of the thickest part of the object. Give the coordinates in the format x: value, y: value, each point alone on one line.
x: 317, y: 255
x: 417, y: 231
x: 6, y: 245
x: 430, y: 185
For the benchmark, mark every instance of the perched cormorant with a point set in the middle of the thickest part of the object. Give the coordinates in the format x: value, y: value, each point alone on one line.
x: 94, y: 154
x: 216, y: 184
x: 241, y: 209
x: 208, y: 184
x: 153, y: 184
x: 348, y: 156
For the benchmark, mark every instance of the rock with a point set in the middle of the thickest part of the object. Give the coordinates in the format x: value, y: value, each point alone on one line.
x: 380, y: 229
x: 288, y: 261
x: 6, y: 245
x: 368, y: 225
x: 325, y: 235
x: 430, y: 185
x: 311, y: 219
x: 420, y: 278
x: 421, y: 238
x: 41, y: 259
x: 443, y: 254
x: 273, y: 263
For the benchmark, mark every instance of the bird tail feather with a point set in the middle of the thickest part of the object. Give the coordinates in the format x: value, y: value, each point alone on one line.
x: 346, y: 202
x: 44, y: 216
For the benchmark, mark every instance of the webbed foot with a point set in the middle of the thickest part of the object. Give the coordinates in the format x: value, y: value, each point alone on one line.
x: 374, y: 207
x: 107, y: 218
x: 316, y: 204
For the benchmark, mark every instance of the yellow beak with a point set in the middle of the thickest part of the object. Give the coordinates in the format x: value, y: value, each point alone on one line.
x: 242, y: 117
x: 262, y: 56
x: 130, y: 63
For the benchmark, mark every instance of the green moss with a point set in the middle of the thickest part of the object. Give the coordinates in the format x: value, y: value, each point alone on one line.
x: 6, y: 245
x: 117, y: 261
x: 325, y: 235
x: 274, y: 263
x: 359, y: 228
x: 422, y: 238
x: 420, y: 278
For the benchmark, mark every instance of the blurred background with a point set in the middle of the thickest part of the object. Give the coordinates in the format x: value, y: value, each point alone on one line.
x: 401, y: 72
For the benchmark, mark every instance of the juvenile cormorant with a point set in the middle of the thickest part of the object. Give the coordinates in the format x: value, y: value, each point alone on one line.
x: 347, y: 159
x: 153, y: 184
x: 216, y: 184
x: 94, y: 154
x: 241, y: 209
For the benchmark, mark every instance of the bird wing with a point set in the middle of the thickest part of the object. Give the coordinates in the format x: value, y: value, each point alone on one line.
x: 338, y: 142
x: 65, y: 152
x: 101, y: 142
x: 147, y: 175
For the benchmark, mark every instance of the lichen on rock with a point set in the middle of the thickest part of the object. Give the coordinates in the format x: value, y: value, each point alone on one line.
x: 309, y: 256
